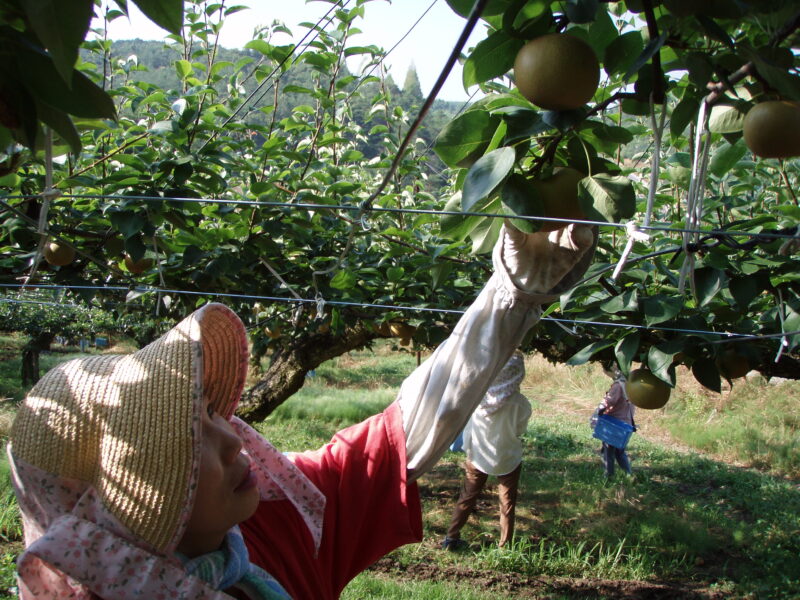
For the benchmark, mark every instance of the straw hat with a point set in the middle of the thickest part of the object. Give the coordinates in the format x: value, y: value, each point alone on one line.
x: 129, y: 426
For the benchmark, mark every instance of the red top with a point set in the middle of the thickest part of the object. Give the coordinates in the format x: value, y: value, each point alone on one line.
x: 370, y: 510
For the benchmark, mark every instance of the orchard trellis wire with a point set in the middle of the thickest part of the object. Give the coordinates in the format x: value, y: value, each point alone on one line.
x: 787, y: 234
x: 729, y: 336
x: 717, y: 236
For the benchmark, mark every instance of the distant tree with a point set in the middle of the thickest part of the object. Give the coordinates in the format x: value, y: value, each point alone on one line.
x: 411, y: 87
x: 43, y: 322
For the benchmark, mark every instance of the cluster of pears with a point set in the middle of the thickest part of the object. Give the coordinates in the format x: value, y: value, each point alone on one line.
x: 645, y: 390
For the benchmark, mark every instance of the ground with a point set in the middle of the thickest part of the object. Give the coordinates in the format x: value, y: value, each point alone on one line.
x: 507, y: 585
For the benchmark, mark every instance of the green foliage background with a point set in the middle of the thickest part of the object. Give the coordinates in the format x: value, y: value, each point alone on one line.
x: 266, y: 201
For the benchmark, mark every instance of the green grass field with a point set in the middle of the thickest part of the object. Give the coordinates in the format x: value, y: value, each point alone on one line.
x: 712, y: 510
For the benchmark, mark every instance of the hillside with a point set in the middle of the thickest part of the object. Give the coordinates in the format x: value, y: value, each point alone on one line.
x: 153, y: 62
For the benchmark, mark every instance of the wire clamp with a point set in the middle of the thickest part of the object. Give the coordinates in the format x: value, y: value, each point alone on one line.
x: 320, y: 306
x: 634, y: 235
x: 298, y: 312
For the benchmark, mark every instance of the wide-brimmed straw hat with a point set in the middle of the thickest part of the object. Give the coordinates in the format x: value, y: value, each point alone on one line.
x: 105, y: 459
x: 129, y: 425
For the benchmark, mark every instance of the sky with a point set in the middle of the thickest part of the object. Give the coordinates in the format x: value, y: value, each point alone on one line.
x: 427, y: 46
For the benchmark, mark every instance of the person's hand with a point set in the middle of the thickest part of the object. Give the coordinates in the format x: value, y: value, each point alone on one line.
x: 547, y: 263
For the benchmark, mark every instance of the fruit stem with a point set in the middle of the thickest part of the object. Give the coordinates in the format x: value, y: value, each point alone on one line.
x: 588, y: 159
x: 788, y: 185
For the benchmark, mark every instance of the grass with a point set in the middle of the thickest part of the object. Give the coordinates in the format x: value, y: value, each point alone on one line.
x: 713, y: 504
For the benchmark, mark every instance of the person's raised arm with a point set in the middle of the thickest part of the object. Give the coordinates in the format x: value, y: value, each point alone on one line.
x: 438, y: 398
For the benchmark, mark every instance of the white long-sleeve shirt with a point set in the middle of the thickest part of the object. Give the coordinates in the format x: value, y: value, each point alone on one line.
x: 492, y: 440
x: 439, y: 396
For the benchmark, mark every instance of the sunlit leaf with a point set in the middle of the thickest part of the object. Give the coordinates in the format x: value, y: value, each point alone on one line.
x: 463, y: 140
x: 492, y: 57
x: 606, y: 197
x: 486, y: 175
x: 164, y: 13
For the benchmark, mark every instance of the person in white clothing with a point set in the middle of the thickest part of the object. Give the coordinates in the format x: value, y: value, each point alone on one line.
x: 493, y: 445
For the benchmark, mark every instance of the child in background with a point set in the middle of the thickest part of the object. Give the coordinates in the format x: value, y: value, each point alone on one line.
x: 616, y: 404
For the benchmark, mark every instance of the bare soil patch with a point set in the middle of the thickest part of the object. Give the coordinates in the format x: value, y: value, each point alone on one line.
x: 509, y: 585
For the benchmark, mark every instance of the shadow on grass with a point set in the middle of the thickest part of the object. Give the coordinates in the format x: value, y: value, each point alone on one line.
x: 684, y: 516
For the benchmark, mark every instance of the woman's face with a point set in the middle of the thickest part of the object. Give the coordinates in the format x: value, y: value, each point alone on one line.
x: 226, y: 489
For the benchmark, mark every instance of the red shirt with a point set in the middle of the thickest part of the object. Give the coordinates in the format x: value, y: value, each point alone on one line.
x: 370, y: 510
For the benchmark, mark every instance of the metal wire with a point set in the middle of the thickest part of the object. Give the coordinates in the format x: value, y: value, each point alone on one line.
x: 377, y: 209
x: 422, y: 309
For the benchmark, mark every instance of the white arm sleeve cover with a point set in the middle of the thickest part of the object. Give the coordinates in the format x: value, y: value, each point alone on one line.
x: 438, y: 397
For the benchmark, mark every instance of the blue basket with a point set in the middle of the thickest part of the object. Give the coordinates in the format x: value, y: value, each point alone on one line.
x: 612, y: 431
x: 458, y: 443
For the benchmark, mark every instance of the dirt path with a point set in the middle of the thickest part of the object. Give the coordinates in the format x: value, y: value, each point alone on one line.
x: 508, y: 585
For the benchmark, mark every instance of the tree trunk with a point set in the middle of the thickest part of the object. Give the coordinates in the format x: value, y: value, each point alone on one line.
x: 30, y: 357
x: 289, y: 367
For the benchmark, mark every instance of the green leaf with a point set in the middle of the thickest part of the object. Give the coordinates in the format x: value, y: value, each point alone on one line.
x: 485, y: 235
x: 606, y: 197
x: 725, y: 119
x: 344, y: 280
x: 621, y: 53
x: 486, y: 175
x: 626, y: 350
x: 164, y: 13
x: 457, y: 226
x: 581, y: 11
x: 259, y: 46
x: 791, y: 322
x: 395, y: 274
x: 440, y: 273
x: 626, y: 301
x: 492, y: 57
x: 134, y: 247
x: 518, y: 197
x: 744, y: 290
x: 778, y: 78
x: 493, y: 7
x: 82, y: 98
x: 727, y: 157
x: 61, y: 124
x: 183, y: 68
x: 563, y: 119
x: 464, y: 139
x: 11, y: 180
x: 602, y: 32
x: 708, y: 282
x: 612, y: 133
x: 700, y: 68
x: 128, y: 223
x: 660, y: 308
x: 61, y: 25
x: 714, y: 31
x: 660, y: 358
x: 583, y: 355
x: 523, y: 123
x: 706, y: 373
x: 652, y: 47
x: 683, y: 114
